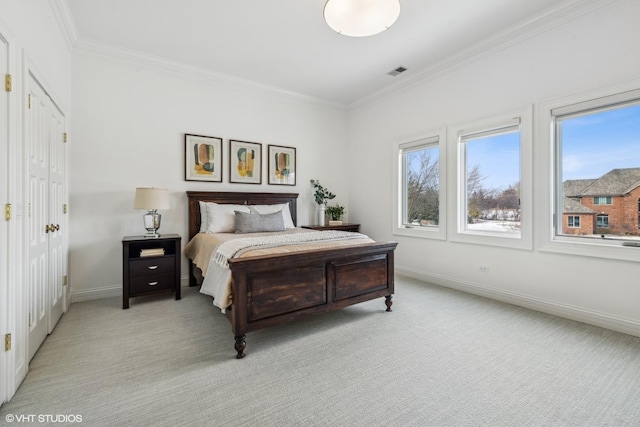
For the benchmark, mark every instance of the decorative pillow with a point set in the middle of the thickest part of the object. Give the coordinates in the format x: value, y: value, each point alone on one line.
x: 221, y: 217
x: 255, y: 223
x: 267, y: 209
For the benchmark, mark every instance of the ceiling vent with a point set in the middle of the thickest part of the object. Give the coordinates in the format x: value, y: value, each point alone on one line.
x: 397, y: 71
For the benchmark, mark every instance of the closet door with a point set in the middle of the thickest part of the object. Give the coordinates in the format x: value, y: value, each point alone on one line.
x: 57, y: 255
x: 6, y: 308
x: 45, y: 165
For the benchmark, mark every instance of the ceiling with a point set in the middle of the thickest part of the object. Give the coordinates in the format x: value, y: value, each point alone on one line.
x: 285, y: 44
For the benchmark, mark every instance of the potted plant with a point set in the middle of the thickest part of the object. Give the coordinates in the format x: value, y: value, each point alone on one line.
x: 335, y: 214
x: 322, y: 197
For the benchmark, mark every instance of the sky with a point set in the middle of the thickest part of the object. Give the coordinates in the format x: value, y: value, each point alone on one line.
x: 592, y: 145
x: 595, y: 144
x: 498, y: 157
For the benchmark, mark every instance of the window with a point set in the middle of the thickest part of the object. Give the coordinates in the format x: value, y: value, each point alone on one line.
x: 589, y: 148
x: 420, y: 199
x: 602, y: 221
x: 602, y: 200
x: 492, y: 180
x: 574, y: 221
x: 597, y: 162
x: 493, y: 192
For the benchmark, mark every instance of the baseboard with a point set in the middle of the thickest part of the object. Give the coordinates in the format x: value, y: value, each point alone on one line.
x: 579, y: 314
x: 109, y: 292
x: 98, y: 293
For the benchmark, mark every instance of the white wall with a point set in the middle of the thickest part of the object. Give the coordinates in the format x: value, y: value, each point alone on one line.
x: 36, y: 28
x: 590, y: 52
x: 128, y: 131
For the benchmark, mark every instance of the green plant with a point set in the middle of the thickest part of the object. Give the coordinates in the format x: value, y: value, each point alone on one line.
x: 321, y: 194
x: 335, y: 212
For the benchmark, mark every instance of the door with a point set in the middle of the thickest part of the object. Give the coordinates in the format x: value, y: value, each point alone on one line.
x: 57, y: 254
x: 45, y: 165
x: 5, y: 310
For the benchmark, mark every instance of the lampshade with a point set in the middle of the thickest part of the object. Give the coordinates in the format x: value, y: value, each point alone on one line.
x: 359, y: 18
x: 151, y: 198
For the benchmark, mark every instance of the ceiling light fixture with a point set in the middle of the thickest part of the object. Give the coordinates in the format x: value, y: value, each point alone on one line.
x: 360, y: 18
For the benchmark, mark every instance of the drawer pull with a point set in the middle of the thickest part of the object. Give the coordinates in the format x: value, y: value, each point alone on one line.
x: 153, y: 283
x: 153, y: 267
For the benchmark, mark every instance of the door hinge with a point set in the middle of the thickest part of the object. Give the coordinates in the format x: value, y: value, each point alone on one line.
x: 7, y: 342
x: 29, y: 319
x: 7, y: 82
x: 29, y: 210
x: 64, y: 137
x: 64, y: 280
x: 29, y: 101
x: 64, y: 208
x: 7, y: 211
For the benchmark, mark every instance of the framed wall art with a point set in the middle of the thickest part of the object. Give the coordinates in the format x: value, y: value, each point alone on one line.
x: 203, y: 158
x: 245, y: 162
x: 282, y: 165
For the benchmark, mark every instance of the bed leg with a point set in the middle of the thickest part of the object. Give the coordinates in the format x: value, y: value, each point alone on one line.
x: 388, y: 302
x: 240, y: 345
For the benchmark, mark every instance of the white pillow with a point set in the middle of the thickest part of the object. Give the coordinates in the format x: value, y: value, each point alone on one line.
x: 222, y: 218
x: 267, y: 209
x: 204, y: 217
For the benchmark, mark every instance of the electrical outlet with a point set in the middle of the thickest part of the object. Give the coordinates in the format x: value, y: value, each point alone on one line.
x: 483, y: 268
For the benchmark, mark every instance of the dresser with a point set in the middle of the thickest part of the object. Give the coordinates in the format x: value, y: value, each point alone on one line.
x: 150, y: 266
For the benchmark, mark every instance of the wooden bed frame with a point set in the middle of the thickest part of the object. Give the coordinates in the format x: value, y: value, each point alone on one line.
x: 271, y: 290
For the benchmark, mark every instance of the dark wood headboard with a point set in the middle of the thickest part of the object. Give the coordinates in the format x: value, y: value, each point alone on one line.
x: 236, y: 199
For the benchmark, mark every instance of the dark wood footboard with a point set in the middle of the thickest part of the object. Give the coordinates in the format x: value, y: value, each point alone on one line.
x: 271, y: 290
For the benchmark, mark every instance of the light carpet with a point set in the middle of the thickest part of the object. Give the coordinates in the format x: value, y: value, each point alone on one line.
x: 441, y: 358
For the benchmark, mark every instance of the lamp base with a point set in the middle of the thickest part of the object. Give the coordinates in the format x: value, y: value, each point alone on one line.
x: 152, y: 224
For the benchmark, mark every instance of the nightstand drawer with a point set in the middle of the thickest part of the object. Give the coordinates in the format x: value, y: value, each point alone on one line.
x: 152, y: 282
x: 155, y: 265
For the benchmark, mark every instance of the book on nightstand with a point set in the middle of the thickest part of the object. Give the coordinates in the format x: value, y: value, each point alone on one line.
x: 152, y: 252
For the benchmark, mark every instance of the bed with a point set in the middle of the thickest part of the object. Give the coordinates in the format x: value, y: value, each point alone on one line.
x: 271, y: 289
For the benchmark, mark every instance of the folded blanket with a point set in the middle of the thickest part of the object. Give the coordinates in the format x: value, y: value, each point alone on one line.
x: 229, y: 249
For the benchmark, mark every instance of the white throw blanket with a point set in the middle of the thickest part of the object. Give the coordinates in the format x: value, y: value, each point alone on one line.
x: 229, y: 249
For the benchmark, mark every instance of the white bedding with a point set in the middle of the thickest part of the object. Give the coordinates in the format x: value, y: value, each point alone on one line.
x: 223, y: 246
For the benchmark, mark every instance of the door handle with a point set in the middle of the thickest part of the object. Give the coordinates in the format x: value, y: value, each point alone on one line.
x: 51, y: 228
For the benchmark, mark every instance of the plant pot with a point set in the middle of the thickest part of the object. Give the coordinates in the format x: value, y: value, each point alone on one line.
x: 321, y: 215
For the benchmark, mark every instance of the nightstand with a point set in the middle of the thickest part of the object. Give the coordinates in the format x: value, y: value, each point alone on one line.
x: 342, y: 227
x: 150, y: 266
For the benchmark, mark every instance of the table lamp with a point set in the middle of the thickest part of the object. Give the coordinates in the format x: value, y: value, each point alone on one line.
x: 151, y: 199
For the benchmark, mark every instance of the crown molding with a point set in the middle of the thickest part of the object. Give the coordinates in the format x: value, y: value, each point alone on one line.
x: 67, y: 25
x: 556, y: 16
x: 98, y: 50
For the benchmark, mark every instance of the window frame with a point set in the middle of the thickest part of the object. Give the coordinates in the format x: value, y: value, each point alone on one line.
x: 549, y: 197
x: 457, y: 174
x: 572, y: 220
x: 597, y: 200
x: 435, y: 138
